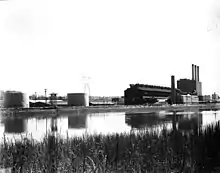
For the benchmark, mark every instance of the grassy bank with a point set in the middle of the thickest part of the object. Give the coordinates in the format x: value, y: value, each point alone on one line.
x: 134, y: 152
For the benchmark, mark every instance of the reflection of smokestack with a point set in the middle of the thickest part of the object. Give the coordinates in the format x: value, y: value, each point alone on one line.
x: 197, y: 73
x: 193, y: 75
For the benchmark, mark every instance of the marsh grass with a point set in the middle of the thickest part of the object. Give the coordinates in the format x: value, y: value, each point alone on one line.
x: 168, y: 151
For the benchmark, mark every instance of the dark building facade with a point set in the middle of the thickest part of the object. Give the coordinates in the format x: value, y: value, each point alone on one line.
x: 139, y: 94
x: 193, y: 86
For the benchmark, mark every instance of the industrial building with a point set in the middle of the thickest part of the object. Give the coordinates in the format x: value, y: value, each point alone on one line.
x: 77, y: 99
x: 205, y: 98
x: 15, y: 99
x: 142, y: 94
x: 187, y: 91
x: 189, y: 99
x: 215, y: 97
x: 53, y: 98
x: 193, y: 86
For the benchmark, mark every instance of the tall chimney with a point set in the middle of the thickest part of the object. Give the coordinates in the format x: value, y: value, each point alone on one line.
x: 173, y: 92
x: 193, y: 75
x: 197, y: 73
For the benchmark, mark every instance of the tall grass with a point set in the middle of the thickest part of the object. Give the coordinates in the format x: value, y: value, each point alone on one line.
x: 170, y: 151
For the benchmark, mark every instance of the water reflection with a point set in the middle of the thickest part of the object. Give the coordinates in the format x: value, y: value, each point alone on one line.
x: 54, y: 124
x: 77, y: 121
x: 189, y: 122
x: 105, y: 123
x: 14, y: 125
x: 183, y: 121
x: 146, y: 120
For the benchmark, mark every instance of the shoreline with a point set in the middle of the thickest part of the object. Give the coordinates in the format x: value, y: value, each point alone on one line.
x: 62, y: 111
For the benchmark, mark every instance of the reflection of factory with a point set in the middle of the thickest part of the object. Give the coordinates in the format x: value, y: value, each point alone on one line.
x: 187, y: 91
x: 185, y: 122
x: 77, y: 121
x: 189, y: 123
x: 141, y: 120
x: 15, y: 125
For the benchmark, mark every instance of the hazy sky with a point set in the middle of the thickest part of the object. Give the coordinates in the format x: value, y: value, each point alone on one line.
x: 52, y: 44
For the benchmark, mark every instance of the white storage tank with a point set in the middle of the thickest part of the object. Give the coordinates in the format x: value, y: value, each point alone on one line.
x: 77, y: 99
x: 15, y: 99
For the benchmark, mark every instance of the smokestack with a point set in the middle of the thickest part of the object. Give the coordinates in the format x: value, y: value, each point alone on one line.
x: 193, y: 75
x: 173, y: 93
x: 197, y: 73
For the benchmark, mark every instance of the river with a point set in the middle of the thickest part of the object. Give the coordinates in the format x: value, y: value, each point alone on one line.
x: 105, y: 123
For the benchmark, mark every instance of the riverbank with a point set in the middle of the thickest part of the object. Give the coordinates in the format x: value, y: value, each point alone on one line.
x: 60, y: 111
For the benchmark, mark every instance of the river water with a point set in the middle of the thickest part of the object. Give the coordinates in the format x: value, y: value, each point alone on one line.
x: 104, y: 123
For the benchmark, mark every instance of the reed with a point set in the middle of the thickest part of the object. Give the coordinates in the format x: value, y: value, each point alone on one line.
x: 141, y: 151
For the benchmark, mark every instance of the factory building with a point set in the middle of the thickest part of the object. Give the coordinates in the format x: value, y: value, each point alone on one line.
x: 139, y: 94
x: 215, y: 97
x: 192, y: 87
x: 15, y: 99
x: 77, y: 99
x: 206, y: 98
x: 189, y: 99
x: 53, y: 98
x: 187, y: 91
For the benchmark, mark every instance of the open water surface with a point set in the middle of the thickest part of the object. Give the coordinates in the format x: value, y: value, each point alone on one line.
x: 77, y: 125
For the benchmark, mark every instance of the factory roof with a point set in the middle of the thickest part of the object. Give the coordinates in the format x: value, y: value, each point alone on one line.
x: 148, y: 86
x: 153, y: 88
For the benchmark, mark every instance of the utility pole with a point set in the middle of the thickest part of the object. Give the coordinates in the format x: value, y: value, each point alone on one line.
x: 45, y: 90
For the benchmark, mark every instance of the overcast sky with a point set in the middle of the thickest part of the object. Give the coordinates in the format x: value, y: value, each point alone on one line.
x: 52, y: 44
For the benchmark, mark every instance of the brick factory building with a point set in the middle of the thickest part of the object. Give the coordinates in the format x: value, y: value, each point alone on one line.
x: 187, y: 91
x: 194, y: 86
x: 139, y: 94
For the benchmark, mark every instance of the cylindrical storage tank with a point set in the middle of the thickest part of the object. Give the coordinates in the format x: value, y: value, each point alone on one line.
x: 77, y: 99
x: 14, y: 99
